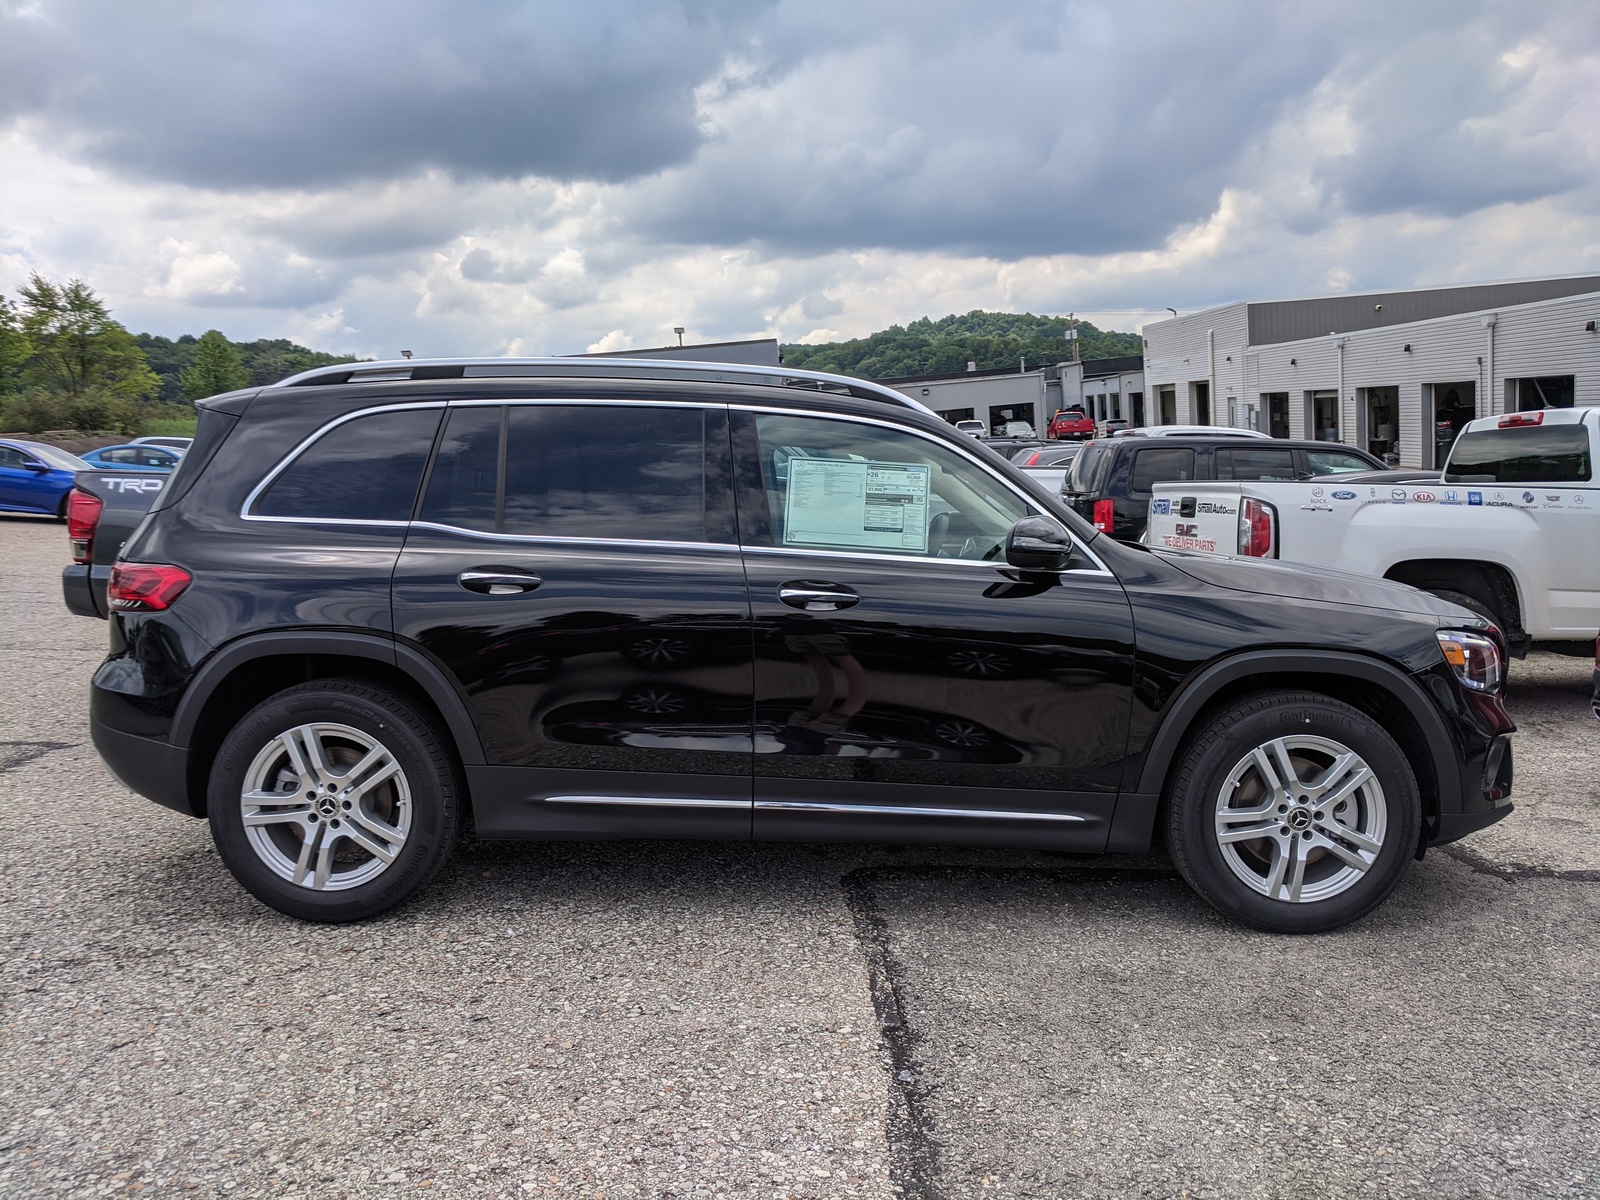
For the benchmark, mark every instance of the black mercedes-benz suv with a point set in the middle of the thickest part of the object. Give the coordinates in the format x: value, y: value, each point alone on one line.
x: 613, y: 599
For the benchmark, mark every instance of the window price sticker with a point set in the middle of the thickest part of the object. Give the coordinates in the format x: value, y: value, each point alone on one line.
x: 857, y: 504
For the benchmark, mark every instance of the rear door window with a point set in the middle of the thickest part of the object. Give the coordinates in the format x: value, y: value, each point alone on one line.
x: 364, y: 469
x: 634, y: 472
x: 1537, y: 454
x: 464, y: 486
x: 1163, y: 465
x: 1253, y: 463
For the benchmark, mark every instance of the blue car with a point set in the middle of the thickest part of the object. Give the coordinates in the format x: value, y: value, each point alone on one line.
x: 133, y: 457
x: 36, y: 478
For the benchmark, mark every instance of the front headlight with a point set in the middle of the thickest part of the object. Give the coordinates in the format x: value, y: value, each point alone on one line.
x: 1474, y: 658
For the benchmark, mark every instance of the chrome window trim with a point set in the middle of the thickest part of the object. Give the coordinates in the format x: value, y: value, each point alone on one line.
x: 897, y: 810
x: 1100, y: 566
x: 648, y: 801
x: 322, y: 430
x: 249, y: 502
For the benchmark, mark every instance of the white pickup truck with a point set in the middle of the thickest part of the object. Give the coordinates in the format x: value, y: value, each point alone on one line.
x: 1511, y: 530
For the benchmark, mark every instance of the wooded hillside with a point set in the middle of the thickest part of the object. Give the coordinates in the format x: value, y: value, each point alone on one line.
x: 267, y: 359
x: 990, y: 339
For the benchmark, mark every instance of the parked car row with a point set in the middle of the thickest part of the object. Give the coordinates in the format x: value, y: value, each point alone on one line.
x: 1112, y: 479
x: 36, y: 477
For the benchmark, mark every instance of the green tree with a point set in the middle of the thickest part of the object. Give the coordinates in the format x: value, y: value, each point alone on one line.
x: 217, y: 368
x: 76, y: 346
x: 14, y: 348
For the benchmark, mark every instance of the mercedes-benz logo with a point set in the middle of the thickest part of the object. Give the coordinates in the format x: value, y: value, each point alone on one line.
x: 1299, y: 818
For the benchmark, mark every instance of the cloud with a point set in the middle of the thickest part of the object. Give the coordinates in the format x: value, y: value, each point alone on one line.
x: 300, y: 93
x: 538, y: 178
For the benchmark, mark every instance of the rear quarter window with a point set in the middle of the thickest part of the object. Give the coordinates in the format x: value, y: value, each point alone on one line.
x: 366, y: 469
x: 1532, y: 454
x: 1088, y: 469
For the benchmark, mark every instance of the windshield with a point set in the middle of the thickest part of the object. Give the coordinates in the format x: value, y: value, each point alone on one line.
x: 56, y: 457
x: 1537, y: 454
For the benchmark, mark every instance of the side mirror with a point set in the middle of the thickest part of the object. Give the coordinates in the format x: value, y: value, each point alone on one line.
x: 41, y: 468
x: 1038, y: 544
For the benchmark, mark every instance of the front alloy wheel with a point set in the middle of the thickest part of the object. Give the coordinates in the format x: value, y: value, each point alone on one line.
x: 1293, y: 812
x: 1301, y: 818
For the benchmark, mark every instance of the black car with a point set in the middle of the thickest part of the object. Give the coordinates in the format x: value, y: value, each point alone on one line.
x: 1111, y: 480
x: 375, y: 600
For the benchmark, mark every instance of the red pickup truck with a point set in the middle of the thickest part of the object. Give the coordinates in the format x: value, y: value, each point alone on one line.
x: 1071, y: 425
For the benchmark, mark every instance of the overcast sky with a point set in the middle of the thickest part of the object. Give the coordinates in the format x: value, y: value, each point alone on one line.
x: 482, y: 177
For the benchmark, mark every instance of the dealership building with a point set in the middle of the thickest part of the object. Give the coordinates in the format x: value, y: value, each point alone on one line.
x: 1105, y: 388
x: 1397, y: 373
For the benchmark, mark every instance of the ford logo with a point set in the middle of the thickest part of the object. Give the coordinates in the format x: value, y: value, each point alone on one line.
x: 1344, y: 495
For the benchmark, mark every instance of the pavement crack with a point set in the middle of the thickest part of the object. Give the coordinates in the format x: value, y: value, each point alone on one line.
x: 17, y: 754
x: 1512, y: 872
x: 913, y: 1155
x: 913, y: 1149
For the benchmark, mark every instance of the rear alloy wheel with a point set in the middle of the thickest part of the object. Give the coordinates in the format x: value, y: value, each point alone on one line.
x: 1294, y: 813
x: 333, y: 801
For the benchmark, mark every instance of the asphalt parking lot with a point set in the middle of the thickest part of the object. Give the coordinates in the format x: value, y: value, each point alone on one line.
x: 644, y: 1020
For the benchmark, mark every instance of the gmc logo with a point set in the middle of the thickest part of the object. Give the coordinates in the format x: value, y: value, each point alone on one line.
x: 1187, y: 530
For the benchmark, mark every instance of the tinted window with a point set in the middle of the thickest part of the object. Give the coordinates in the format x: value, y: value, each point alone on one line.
x: 840, y: 485
x: 1336, y: 462
x: 11, y: 458
x: 1254, y: 464
x: 366, y: 469
x: 1166, y: 465
x: 1088, y: 468
x: 1532, y: 454
x: 606, y: 471
x: 463, y: 487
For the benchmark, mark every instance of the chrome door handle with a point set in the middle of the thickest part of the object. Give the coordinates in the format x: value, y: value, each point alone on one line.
x: 498, y: 581
x: 817, y: 597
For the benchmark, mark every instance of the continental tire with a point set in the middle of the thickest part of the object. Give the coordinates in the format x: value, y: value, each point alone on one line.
x: 334, y: 801
x: 1293, y: 812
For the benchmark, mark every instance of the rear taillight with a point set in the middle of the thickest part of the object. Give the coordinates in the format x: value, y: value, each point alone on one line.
x: 1105, y: 516
x: 1512, y: 420
x: 1257, y: 529
x: 83, y: 514
x: 145, y: 587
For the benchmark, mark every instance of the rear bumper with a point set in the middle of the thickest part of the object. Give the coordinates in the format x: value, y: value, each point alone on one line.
x: 83, y: 587
x: 156, y: 770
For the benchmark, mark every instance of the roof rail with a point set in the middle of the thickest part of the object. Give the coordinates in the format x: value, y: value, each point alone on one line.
x: 596, y: 368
